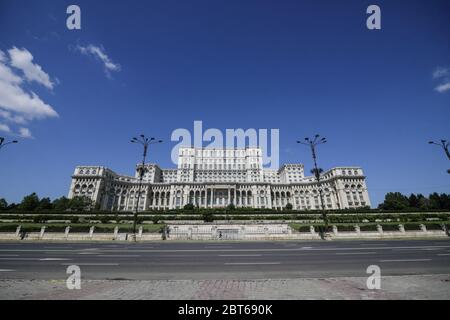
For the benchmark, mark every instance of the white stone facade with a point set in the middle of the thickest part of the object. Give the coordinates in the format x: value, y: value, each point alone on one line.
x: 215, y: 178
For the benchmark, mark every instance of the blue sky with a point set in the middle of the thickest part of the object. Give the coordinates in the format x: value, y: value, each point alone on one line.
x: 304, y: 67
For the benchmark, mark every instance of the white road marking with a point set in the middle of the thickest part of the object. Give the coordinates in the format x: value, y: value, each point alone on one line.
x: 405, y: 260
x: 119, y: 255
x: 54, y: 259
x: 20, y: 259
x: 90, y: 264
x: 354, y: 253
x: 240, y: 255
x: 218, y: 247
x: 249, y: 263
x: 9, y: 255
x: 6, y: 270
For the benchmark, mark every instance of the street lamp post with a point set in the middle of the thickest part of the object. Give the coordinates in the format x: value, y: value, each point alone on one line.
x: 312, y: 143
x: 145, y: 142
x: 4, y: 143
x: 444, y: 145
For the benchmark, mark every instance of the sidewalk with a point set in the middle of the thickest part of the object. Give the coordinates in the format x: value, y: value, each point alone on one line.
x: 392, y: 287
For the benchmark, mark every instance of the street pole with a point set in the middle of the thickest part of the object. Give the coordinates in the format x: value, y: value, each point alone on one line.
x: 312, y: 143
x: 3, y: 143
x: 145, y: 143
x: 444, y: 145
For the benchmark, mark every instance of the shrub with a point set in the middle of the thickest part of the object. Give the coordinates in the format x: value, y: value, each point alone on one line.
x: 208, y: 217
x: 40, y: 219
x: 156, y: 219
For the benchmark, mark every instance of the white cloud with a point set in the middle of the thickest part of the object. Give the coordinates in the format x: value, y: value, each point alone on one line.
x: 5, y: 128
x: 29, y: 105
x: 99, y: 54
x: 443, y: 75
x: 25, y: 133
x: 18, y: 105
x: 23, y: 60
x: 12, y: 118
x: 440, y: 72
x: 2, y: 56
x: 443, y: 87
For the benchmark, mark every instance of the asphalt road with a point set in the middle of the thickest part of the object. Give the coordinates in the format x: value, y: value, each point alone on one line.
x: 223, y: 260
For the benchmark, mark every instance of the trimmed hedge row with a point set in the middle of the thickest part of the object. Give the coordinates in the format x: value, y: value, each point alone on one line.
x: 238, y: 211
x: 344, y: 218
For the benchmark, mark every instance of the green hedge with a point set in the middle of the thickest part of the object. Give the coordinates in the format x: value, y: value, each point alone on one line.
x: 237, y: 211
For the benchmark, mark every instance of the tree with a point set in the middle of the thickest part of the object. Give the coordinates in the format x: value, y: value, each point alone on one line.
x: 435, y: 201
x: 45, y: 204
x: 61, y: 204
x: 80, y: 203
x: 189, y: 206
x: 394, y: 201
x: 208, y: 217
x: 3, y: 204
x: 413, y: 201
x: 288, y: 206
x: 30, y: 202
x: 231, y: 207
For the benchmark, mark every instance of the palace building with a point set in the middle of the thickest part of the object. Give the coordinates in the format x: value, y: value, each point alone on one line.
x: 216, y: 178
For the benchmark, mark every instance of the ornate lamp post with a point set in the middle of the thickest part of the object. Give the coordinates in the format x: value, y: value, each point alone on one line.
x: 444, y: 145
x: 145, y: 142
x: 312, y: 143
x: 4, y: 143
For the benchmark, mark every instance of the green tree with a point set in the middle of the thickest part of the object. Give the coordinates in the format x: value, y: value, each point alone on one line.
x: 413, y: 201
x: 61, y: 204
x: 30, y: 202
x: 3, y: 204
x: 435, y: 201
x: 208, y: 217
x: 288, y: 206
x: 394, y: 201
x: 44, y: 204
x: 80, y: 203
x: 445, y: 201
x: 424, y: 203
x: 189, y: 207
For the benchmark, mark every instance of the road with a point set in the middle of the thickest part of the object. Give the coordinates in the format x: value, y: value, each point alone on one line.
x: 223, y: 260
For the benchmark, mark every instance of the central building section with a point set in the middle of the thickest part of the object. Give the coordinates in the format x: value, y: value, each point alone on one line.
x: 212, y: 177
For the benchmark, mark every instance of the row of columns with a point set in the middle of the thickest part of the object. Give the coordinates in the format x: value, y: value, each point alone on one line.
x: 221, y: 196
